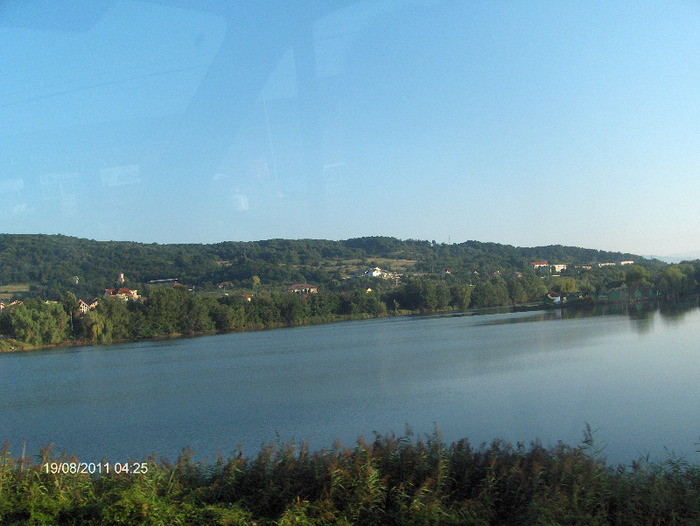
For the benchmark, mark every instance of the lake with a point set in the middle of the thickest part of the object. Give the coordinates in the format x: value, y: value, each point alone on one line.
x: 633, y: 375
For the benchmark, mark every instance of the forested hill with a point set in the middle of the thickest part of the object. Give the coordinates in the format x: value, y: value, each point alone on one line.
x: 51, y: 263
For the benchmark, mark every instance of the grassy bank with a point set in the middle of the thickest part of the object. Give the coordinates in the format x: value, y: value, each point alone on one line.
x: 391, y: 480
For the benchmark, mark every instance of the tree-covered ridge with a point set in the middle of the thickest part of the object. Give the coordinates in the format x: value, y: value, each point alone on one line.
x: 244, y: 286
x: 52, y: 262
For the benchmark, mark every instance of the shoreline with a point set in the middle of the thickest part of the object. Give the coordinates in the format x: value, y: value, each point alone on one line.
x: 525, y: 307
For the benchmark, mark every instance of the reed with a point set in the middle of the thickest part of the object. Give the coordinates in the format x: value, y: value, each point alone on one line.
x: 388, y: 480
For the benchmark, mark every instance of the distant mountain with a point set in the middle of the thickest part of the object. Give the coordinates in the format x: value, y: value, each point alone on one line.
x: 677, y: 258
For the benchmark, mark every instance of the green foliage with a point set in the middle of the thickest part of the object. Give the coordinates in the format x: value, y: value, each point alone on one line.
x: 490, y: 293
x: 53, y: 262
x: 460, y: 296
x: 293, y: 309
x: 391, y: 480
x: 676, y: 281
x: 516, y: 290
x: 638, y: 276
x: 504, y: 278
x: 37, y: 323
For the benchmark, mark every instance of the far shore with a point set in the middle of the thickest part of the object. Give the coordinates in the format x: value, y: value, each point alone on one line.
x: 8, y: 345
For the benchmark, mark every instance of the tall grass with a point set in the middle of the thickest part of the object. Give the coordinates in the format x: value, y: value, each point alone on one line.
x: 391, y: 480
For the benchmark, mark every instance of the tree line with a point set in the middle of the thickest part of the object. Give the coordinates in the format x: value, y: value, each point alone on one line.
x: 54, y: 263
x: 178, y: 311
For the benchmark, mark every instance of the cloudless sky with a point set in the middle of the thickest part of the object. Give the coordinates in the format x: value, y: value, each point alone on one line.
x: 527, y: 123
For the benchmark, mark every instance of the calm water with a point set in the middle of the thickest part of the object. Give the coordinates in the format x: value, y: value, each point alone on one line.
x: 635, y: 377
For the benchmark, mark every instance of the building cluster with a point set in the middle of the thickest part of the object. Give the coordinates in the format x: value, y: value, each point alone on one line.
x: 123, y: 294
x: 4, y: 305
x: 303, y: 289
x: 376, y: 272
x: 83, y: 306
x: 545, y: 265
x: 558, y: 267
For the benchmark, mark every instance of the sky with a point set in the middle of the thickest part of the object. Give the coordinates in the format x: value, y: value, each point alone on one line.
x: 520, y: 122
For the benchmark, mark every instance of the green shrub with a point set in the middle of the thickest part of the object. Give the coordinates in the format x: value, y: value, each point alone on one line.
x: 392, y: 480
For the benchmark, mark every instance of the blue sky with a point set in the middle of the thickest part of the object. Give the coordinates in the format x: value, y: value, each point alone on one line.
x: 527, y: 123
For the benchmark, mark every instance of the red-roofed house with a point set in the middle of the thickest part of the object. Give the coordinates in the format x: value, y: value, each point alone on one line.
x: 122, y: 294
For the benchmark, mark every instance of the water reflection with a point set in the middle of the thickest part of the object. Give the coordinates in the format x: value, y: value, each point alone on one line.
x: 676, y: 312
x: 641, y: 314
x: 478, y: 375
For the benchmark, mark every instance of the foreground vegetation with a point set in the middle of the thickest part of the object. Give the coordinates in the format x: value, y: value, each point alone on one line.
x: 388, y: 481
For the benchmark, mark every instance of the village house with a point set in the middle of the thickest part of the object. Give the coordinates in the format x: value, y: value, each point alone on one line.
x: 539, y: 264
x: 171, y: 282
x: 552, y: 298
x: 123, y: 294
x: 376, y: 272
x: 303, y: 288
x: 84, y: 307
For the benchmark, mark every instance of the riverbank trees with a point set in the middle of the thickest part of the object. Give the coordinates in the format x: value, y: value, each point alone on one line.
x: 253, y: 279
x: 170, y: 311
x: 51, y: 265
x: 36, y: 323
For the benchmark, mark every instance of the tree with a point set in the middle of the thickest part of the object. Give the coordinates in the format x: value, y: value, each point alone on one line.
x: 637, y: 276
x: 490, y: 294
x: 293, y: 308
x: 94, y: 325
x: 164, y: 309
x: 673, y: 283
x: 225, y: 317
x: 516, y: 291
x: 564, y: 285
x: 460, y: 296
x: 261, y: 310
x: 442, y: 295
x: 324, y: 304
x: 534, y: 286
x: 25, y: 326
x: 38, y: 323
x: 117, y: 319
x: 194, y: 315
x: 70, y: 303
x: 365, y: 302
